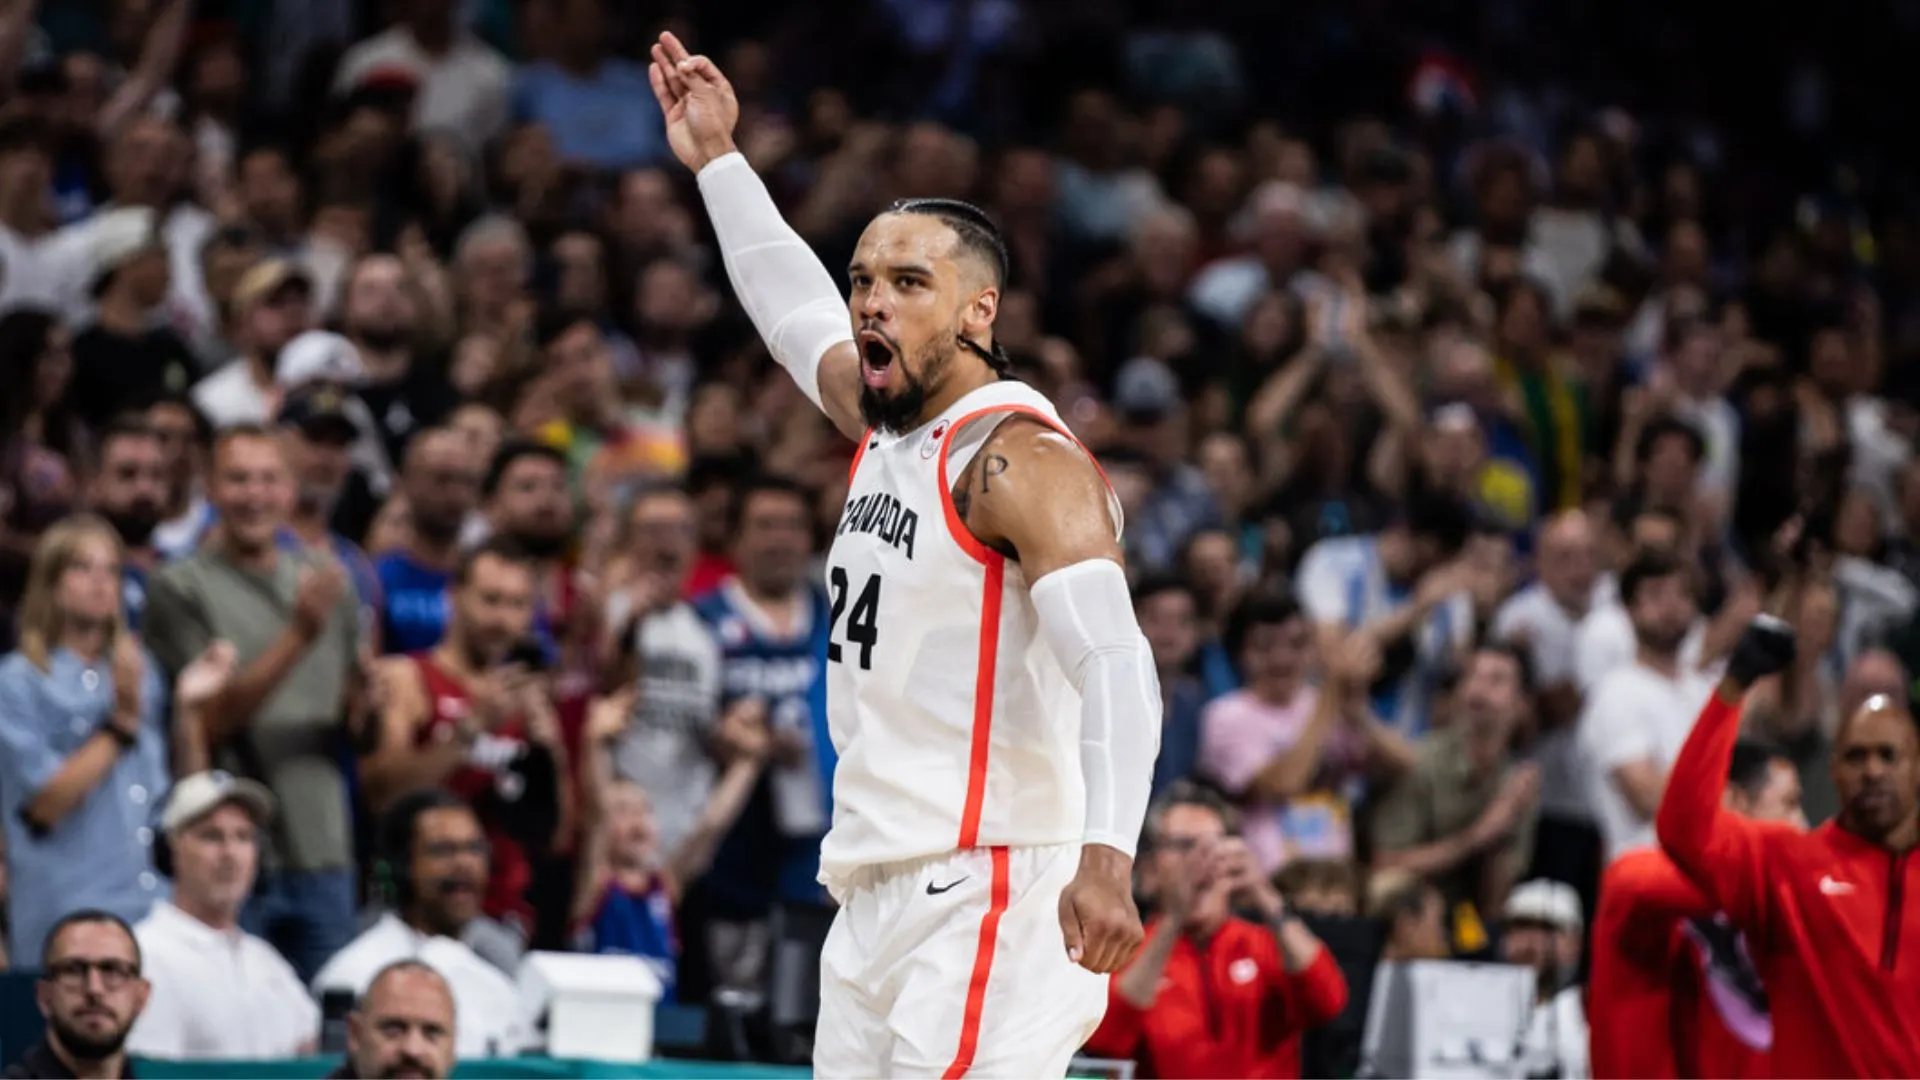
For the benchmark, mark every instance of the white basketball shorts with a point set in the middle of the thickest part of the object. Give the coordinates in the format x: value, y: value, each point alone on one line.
x: 955, y: 966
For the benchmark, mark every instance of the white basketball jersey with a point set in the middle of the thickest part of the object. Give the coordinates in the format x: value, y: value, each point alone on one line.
x: 955, y: 726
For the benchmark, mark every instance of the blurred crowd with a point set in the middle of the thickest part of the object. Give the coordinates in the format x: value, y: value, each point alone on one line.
x: 407, y: 548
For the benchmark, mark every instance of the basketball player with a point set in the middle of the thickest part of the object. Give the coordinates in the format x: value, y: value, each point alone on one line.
x: 989, y: 692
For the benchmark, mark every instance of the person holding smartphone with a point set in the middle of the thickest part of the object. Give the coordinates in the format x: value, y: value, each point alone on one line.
x: 475, y: 715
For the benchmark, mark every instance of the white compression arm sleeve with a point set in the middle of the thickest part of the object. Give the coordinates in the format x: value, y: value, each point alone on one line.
x: 1086, y: 615
x: 788, y: 294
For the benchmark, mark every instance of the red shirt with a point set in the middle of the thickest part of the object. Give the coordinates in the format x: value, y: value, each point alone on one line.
x: 1671, y: 993
x: 486, y: 781
x: 1226, y: 1008
x: 1826, y: 913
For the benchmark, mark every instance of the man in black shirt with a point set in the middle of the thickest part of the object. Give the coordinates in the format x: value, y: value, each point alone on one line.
x: 91, y: 992
x: 124, y: 361
x: 381, y: 316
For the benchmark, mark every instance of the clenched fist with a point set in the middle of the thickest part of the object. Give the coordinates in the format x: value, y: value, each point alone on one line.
x: 1097, y: 916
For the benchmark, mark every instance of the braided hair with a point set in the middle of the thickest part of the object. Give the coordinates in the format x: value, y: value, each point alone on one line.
x: 979, y: 236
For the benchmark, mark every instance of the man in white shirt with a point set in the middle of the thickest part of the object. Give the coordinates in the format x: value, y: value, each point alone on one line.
x: 435, y: 855
x: 462, y: 83
x: 1638, y: 715
x: 272, y: 304
x: 1543, y: 619
x: 1543, y: 925
x: 219, y: 992
x: 1604, y: 638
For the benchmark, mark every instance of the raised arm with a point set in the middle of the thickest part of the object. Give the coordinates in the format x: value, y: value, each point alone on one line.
x: 1719, y: 851
x: 781, y: 283
x: 1033, y: 494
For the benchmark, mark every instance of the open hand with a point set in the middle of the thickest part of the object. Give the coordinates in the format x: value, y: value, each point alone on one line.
x: 204, y: 678
x: 320, y: 588
x: 1097, y: 916
x: 698, y: 102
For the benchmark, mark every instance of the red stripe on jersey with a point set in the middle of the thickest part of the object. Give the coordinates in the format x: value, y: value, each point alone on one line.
x: 985, y: 668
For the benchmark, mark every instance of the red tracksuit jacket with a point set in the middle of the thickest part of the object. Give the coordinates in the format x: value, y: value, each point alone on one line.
x: 1825, y: 913
x: 1229, y: 1008
x: 1664, y: 1000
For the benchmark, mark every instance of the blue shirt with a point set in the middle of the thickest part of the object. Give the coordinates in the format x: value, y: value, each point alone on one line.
x: 634, y: 924
x: 416, y: 613
x: 610, y: 121
x: 765, y: 857
x: 99, y: 855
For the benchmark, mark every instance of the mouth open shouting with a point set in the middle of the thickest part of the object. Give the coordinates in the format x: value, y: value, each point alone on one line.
x: 877, y: 356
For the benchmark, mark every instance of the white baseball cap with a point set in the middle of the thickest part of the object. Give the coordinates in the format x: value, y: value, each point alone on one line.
x: 196, y: 796
x: 319, y: 356
x: 1550, y: 903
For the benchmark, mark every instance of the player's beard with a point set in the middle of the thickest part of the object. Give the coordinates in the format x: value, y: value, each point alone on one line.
x: 899, y: 411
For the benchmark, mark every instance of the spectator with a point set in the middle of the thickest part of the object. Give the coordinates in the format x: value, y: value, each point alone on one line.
x: 221, y: 993
x: 123, y: 361
x: 271, y: 305
x: 1604, y: 639
x: 83, y: 758
x: 770, y: 622
x: 665, y: 747
x: 475, y: 716
x: 434, y: 857
x: 186, y: 444
x: 1464, y: 817
x: 43, y: 446
x: 45, y: 265
x: 1412, y: 915
x: 1542, y: 931
x: 380, y: 312
x: 441, y: 485
x: 1541, y: 620
x: 403, y: 1025
x: 318, y: 435
x: 629, y: 886
x: 1638, y: 716
x: 526, y: 501
x: 129, y: 489
x: 597, y: 108
x: 1193, y: 975
x: 1295, y: 755
x: 292, y: 619
x: 1169, y: 617
x: 459, y: 83
x: 91, y: 992
x: 1407, y: 592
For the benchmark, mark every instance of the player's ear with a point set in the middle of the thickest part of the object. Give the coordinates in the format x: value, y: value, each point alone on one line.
x: 976, y: 319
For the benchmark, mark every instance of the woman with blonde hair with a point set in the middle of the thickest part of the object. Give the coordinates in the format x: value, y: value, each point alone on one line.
x: 83, y: 758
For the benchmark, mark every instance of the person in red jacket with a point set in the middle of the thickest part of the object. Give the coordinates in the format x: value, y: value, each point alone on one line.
x: 1212, y: 994
x: 1825, y: 912
x: 1673, y: 990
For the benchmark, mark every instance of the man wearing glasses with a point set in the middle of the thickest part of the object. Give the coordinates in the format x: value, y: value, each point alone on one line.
x: 91, y: 992
x: 434, y: 859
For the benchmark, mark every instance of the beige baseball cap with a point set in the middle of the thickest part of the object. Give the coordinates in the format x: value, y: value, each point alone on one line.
x: 196, y: 796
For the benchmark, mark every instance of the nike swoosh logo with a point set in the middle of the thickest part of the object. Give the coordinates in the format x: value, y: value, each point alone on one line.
x: 933, y: 891
x: 1835, y: 888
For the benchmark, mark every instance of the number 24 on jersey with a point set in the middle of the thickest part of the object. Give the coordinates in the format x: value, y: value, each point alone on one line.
x: 862, y: 626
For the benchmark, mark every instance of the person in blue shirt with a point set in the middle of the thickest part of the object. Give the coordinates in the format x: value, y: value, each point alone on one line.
x: 627, y: 892
x: 129, y: 489
x: 440, y: 482
x: 599, y: 109
x: 770, y: 620
x: 83, y: 745
x: 1169, y: 613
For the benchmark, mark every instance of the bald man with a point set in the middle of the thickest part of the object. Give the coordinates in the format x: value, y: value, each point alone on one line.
x: 402, y: 1027
x: 1542, y: 619
x: 1829, y: 915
